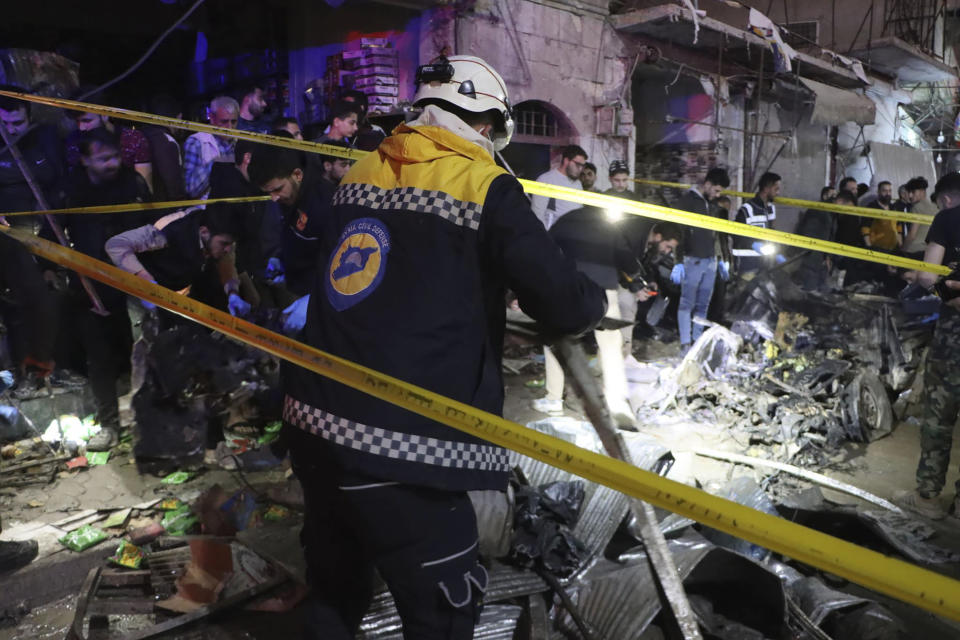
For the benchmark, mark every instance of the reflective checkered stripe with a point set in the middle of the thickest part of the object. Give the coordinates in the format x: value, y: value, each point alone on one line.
x: 438, y: 203
x: 759, y: 219
x: 394, y: 444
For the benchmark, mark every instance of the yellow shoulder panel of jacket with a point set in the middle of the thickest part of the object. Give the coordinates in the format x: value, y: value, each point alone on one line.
x: 431, y: 159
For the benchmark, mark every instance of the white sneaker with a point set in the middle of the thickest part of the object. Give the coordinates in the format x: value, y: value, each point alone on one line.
x: 548, y: 406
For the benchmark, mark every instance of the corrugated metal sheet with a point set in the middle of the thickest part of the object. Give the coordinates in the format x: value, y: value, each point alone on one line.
x: 620, y: 600
x: 603, y: 508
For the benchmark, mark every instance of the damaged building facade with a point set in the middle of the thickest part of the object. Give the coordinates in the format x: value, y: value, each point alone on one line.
x: 863, y: 90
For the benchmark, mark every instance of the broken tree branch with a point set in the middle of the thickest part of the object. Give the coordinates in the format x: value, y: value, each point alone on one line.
x: 816, y: 478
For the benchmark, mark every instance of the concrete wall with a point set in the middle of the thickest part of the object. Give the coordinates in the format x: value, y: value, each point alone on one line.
x: 574, y: 62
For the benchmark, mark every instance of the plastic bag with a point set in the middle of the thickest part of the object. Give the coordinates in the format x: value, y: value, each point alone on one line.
x: 83, y: 538
x: 128, y: 555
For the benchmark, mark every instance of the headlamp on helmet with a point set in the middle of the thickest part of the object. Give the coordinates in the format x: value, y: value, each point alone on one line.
x: 470, y: 84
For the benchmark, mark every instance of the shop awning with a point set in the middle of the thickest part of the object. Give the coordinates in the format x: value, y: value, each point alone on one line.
x: 833, y: 106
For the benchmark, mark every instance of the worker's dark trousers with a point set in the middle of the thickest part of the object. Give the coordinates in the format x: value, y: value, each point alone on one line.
x: 29, y: 311
x: 107, y: 342
x: 422, y: 541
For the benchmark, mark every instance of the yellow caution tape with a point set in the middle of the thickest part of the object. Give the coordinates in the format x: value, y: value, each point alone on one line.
x: 846, y: 209
x: 727, y: 226
x: 164, y: 121
x: 138, y: 206
x: 909, y: 583
x: 531, y: 187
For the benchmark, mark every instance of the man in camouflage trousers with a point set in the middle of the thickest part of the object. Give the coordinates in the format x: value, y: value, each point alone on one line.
x: 941, y: 401
x: 941, y: 404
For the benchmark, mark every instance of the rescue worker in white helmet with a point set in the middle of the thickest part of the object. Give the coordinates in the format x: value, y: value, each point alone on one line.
x: 431, y: 235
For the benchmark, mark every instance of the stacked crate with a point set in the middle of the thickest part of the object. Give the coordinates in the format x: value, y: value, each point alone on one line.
x: 376, y: 72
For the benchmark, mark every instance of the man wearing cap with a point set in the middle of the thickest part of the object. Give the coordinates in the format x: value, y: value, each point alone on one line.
x: 430, y: 233
x: 619, y: 173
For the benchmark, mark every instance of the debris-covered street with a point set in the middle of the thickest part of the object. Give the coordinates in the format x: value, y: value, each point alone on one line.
x: 760, y: 414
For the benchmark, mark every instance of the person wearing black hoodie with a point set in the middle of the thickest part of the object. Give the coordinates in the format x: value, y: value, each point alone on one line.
x: 107, y: 339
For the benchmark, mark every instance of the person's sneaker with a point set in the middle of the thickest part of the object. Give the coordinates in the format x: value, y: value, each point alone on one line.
x: 548, y: 406
x: 16, y: 555
x: 914, y: 502
x: 105, y: 440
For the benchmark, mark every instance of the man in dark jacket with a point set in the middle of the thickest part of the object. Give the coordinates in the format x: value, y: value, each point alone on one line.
x: 430, y: 234
x: 165, y: 153
x: 42, y: 152
x: 815, y: 223
x: 619, y: 253
x: 107, y: 340
x: 760, y: 212
x: 703, y: 257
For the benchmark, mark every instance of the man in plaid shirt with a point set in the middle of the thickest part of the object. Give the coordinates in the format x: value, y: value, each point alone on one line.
x: 201, y: 150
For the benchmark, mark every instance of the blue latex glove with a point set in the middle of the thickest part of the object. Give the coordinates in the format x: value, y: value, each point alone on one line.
x: 780, y: 259
x: 295, y: 316
x: 274, y: 271
x: 757, y: 246
x: 237, y: 305
x: 9, y: 414
x: 6, y: 380
x: 723, y: 267
x: 678, y: 274
x: 146, y: 304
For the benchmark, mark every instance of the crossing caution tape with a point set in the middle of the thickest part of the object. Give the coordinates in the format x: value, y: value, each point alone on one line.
x: 137, y: 206
x: 727, y: 226
x: 538, y: 188
x: 865, y: 212
x: 901, y: 580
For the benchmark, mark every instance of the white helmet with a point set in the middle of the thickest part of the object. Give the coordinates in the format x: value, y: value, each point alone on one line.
x: 471, y: 84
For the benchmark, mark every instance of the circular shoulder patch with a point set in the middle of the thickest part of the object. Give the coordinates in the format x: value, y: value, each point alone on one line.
x: 358, y: 263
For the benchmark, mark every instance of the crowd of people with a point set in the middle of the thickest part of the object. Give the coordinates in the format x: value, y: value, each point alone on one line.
x: 401, y: 262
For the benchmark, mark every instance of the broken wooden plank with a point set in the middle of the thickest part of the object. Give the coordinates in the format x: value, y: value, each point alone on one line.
x: 131, y: 605
x: 207, y: 610
x: 115, y: 578
x: 816, y: 478
x: 13, y: 468
x: 83, y: 601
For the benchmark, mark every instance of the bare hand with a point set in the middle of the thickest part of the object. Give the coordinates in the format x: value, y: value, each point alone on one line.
x: 953, y: 285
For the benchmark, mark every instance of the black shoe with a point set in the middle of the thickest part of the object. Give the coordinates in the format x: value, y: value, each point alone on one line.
x: 105, y: 440
x: 15, y: 555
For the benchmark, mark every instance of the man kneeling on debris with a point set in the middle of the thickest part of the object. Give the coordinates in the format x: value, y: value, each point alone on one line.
x: 941, y: 375
x: 431, y: 233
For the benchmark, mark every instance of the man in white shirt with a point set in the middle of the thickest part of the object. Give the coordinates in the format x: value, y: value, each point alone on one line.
x: 549, y: 210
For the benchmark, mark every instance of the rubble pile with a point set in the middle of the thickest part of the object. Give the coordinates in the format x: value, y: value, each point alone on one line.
x: 799, y: 375
x: 188, y: 380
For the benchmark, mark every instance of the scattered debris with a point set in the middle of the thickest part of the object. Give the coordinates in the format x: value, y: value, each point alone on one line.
x: 816, y: 478
x: 83, y: 538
